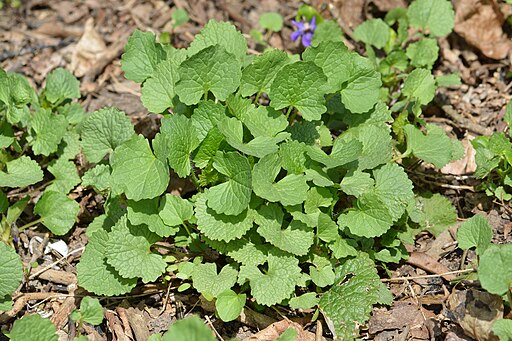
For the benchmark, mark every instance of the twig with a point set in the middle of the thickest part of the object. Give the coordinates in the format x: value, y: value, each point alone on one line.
x: 55, y: 263
x: 213, y: 327
x: 398, y: 279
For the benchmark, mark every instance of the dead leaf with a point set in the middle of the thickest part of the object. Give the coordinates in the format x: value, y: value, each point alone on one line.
x: 387, y: 5
x: 401, y: 315
x: 275, y: 330
x: 427, y: 263
x: 88, y: 51
x: 475, y: 311
x: 467, y: 164
x: 480, y: 22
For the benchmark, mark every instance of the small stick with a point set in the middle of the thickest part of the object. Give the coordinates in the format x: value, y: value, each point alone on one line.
x: 398, y: 279
x: 55, y: 263
x: 213, y: 328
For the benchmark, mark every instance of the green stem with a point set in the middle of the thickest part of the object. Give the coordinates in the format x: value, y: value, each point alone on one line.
x: 288, y: 112
x: 195, y: 180
x: 257, y: 98
x: 32, y: 223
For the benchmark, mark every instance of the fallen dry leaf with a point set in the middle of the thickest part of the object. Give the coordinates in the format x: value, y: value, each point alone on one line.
x: 480, y: 23
x: 475, y: 311
x: 430, y: 264
x: 88, y: 51
x: 401, y: 315
x: 467, y: 164
x: 275, y: 330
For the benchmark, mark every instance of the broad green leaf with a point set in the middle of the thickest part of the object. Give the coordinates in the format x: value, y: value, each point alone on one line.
x: 175, y: 210
x: 423, y: 53
x: 374, y: 32
x: 208, y: 148
x: 137, y: 172
x: 229, y: 305
x: 503, y: 329
x: 21, y: 172
x: 260, y: 146
x: 259, y: 75
x: 141, y: 56
x: 376, y: 141
x: 69, y: 147
x: 6, y: 134
x: 293, y: 157
x: 233, y: 196
x: 369, y: 218
x: 206, y: 280
x: 158, y: 91
x: 181, y: 137
x: 434, y: 147
x: 147, y: 212
x: 243, y: 251
x: 61, y: 85
x: 11, y: 270
x: 327, y: 230
x: 344, y: 306
x: 356, y: 183
x: 434, y: 213
x: 290, y: 190
x: 212, y: 69
x: 306, y: 301
x: 343, y: 248
x: 271, y: 21
x: 301, y: 85
x: 66, y: 176
x: 95, y: 275
x: 49, y: 130
x: 327, y: 30
x: 489, y: 152
x: 318, y: 197
x: 97, y: 177
x: 296, y: 238
x: 190, y: 329
x: 322, y: 276
x: 277, y: 284
x: 73, y: 112
x: 420, y: 85
x: 434, y: 16
x: 475, y: 232
x: 57, y: 211
x: 128, y: 251
x: 508, y: 114
x: 206, y: 116
x: 451, y: 79
x: 16, y: 92
x: 345, y: 149
x: 393, y: 188
x: 103, y: 131
x: 495, y: 269
x: 33, y: 327
x: 220, y: 226
x: 91, y: 311
x: 223, y: 34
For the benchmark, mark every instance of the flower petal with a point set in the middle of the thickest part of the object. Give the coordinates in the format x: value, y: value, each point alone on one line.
x: 312, y: 23
x: 299, y: 25
x: 306, y: 39
x: 295, y: 35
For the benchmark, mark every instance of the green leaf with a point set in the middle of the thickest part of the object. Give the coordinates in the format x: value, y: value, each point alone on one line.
x: 393, y: 188
x: 243, y: 251
x: 146, y: 212
x: 21, y: 172
x: 95, y: 275
x: 260, y: 74
x: 290, y: 190
x: 128, y: 251
x: 376, y: 141
x: 345, y: 149
x: 434, y: 147
x: 73, y: 112
x: 435, y: 16
x: 423, y: 53
x: 33, y: 328
x: 435, y: 213
x: 277, y: 284
x: 11, y: 270
x: 344, y: 306
x: 475, y: 232
x: 233, y: 196
x: 175, y: 210
x: 158, y: 91
x: 141, y: 56
x: 66, y: 176
x: 420, y: 85
x: 327, y: 30
x: 181, y: 137
x: 16, y: 92
x: 206, y: 116
x: 495, y: 269
x: 508, y: 114
x: 190, y: 329
x: 488, y: 150
x: 61, y: 85
x: 370, y: 218
x: 70, y: 145
x: 265, y: 122
x: 503, y: 329
x: 91, y: 311
x: 289, y: 334
x: 322, y: 276
x: 137, y: 172
x: 179, y: 17
x: 327, y: 230
x: 206, y: 280
x: 356, y: 183
x: 343, y: 248
x: 374, y: 32
x: 301, y: 85
x: 293, y: 157
x: 220, y: 226
x: 223, y: 34
x: 296, y: 238
x: 306, y: 301
x: 451, y: 79
x: 229, y: 305
x: 49, y: 130
x: 103, y: 131
x: 212, y: 69
x: 97, y: 177
x: 57, y: 211
x: 271, y: 21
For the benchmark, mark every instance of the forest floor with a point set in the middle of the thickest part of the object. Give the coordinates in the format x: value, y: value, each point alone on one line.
x: 88, y: 37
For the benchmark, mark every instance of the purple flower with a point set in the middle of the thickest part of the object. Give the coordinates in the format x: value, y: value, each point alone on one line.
x: 305, y: 30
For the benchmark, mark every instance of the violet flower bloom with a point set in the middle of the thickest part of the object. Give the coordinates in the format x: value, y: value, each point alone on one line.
x: 305, y: 30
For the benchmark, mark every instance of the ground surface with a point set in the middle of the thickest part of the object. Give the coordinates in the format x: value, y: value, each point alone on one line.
x: 87, y: 37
